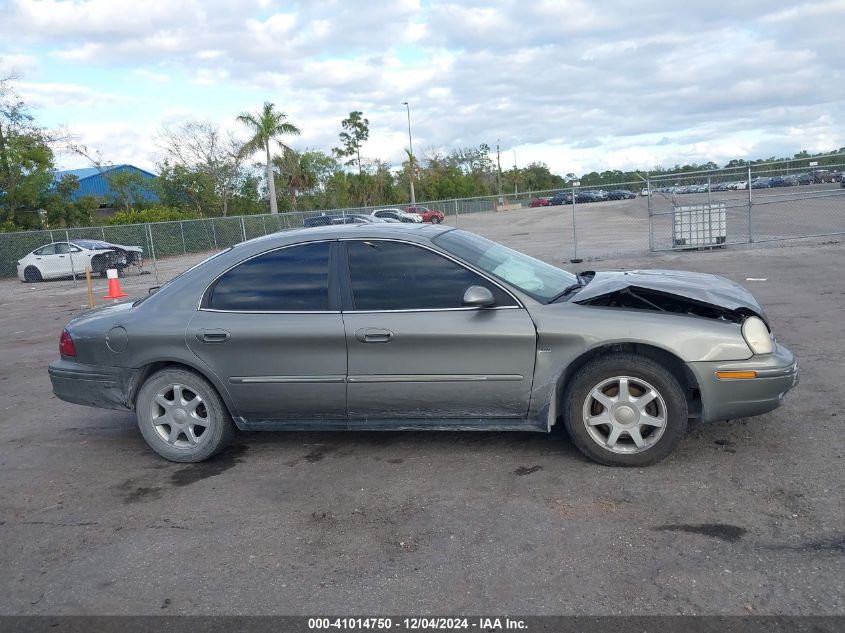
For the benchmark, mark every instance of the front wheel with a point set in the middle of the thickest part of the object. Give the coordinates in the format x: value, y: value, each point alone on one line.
x: 99, y: 265
x: 31, y: 274
x: 434, y: 220
x: 625, y: 410
x: 182, y: 417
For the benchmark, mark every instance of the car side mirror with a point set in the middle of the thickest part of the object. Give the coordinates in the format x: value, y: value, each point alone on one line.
x: 478, y: 297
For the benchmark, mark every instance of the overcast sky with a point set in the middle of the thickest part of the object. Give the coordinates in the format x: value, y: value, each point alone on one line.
x: 579, y: 85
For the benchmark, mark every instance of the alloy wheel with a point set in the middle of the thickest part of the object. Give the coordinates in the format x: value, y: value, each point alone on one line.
x: 625, y: 415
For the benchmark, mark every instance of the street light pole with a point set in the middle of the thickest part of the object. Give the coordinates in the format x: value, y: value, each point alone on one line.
x: 411, y: 157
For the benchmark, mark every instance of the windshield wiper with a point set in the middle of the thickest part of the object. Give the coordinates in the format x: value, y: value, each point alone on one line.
x: 571, y: 288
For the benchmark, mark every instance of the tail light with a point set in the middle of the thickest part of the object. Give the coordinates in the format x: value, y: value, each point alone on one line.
x: 66, y: 346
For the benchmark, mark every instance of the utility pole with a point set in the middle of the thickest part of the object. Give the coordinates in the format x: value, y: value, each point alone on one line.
x: 499, y: 171
x: 411, y: 157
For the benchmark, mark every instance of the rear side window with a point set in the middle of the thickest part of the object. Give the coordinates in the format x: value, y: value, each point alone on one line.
x: 50, y: 249
x: 398, y: 276
x: 293, y: 279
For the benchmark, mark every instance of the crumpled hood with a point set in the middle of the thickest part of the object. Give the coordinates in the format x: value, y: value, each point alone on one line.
x: 701, y: 288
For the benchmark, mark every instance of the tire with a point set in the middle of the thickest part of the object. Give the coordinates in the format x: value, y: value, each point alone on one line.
x: 171, y: 431
x: 434, y: 220
x: 32, y: 274
x: 612, y: 443
x: 99, y: 265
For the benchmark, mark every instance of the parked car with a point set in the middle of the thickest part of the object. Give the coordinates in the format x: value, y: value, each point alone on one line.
x: 397, y: 214
x: 739, y: 184
x: 561, y: 197
x: 327, y: 219
x: 539, y: 202
x: 821, y: 176
x: 590, y: 196
x: 428, y: 215
x: 761, y: 183
x: 67, y: 259
x: 805, y: 179
x: 621, y: 194
x: 375, y: 326
x: 644, y: 192
x: 778, y: 181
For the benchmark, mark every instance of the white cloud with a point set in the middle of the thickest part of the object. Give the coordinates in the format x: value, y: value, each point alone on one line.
x: 577, y: 84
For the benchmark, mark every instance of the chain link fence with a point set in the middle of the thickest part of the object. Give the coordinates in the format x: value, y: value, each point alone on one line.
x: 762, y: 204
x: 757, y: 204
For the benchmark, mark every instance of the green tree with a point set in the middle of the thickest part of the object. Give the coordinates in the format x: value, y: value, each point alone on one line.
x: 356, y: 130
x: 186, y: 188
x: 26, y: 159
x: 266, y: 126
x: 127, y: 186
x: 297, y: 173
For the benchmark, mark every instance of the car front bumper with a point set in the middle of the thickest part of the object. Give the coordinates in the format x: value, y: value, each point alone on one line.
x: 728, y: 399
x: 93, y: 385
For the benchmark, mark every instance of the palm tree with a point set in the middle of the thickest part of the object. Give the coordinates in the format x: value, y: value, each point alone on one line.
x: 297, y: 172
x: 265, y: 127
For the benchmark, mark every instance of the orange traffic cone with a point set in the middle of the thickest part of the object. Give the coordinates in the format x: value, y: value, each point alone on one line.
x: 115, y: 291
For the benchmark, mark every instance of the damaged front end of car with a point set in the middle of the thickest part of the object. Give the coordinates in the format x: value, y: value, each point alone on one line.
x: 695, y: 294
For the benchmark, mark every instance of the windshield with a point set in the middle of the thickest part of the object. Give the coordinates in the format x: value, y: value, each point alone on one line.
x: 92, y: 245
x: 537, y: 279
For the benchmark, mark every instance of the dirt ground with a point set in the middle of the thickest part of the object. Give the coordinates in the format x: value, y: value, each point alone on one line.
x: 746, y: 517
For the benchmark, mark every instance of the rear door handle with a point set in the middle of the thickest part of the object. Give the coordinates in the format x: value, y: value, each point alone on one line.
x: 374, y: 335
x: 213, y: 336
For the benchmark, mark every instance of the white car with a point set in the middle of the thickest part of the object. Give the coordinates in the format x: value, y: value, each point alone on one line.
x: 396, y: 214
x: 65, y: 259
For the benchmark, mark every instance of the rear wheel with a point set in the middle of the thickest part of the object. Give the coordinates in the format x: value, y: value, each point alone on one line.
x: 182, y: 417
x: 625, y: 410
x: 32, y: 274
x: 434, y: 220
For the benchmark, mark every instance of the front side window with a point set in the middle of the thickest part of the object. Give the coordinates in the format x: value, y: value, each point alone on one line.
x: 293, y: 279
x: 50, y: 249
x: 397, y: 276
x: 62, y: 248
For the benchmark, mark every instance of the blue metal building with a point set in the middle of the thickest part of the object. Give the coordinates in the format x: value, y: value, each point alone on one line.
x: 93, y: 181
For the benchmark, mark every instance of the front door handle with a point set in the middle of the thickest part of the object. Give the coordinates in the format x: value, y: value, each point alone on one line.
x: 374, y: 335
x: 213, y: 336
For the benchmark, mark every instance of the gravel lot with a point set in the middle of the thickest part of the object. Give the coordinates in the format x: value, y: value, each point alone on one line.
x: 745, y: 517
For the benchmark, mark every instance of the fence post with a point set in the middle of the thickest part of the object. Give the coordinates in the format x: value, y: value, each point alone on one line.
x: 243, y: 227
x: 70, y: 254
x: 51, y: 237
x: 153, y: 252
x: 574, y: 259
x: 750, y: 203
x: 182, y: 231
x: 650, y: 216
x: 456, y: 212
x: 264, y: 223
x: 103, y: 229
x: 214, y: 233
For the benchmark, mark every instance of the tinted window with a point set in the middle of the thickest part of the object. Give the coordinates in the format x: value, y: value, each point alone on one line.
x: 397, y: 276
x: 290, y: 279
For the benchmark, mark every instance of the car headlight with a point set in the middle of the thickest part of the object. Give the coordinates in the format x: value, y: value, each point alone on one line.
x: 757, y: 335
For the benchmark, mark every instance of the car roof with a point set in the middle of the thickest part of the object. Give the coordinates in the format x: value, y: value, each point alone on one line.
x: 351, y: 231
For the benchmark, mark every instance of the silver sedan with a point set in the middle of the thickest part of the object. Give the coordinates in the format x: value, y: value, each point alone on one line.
x: 398, y: 326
